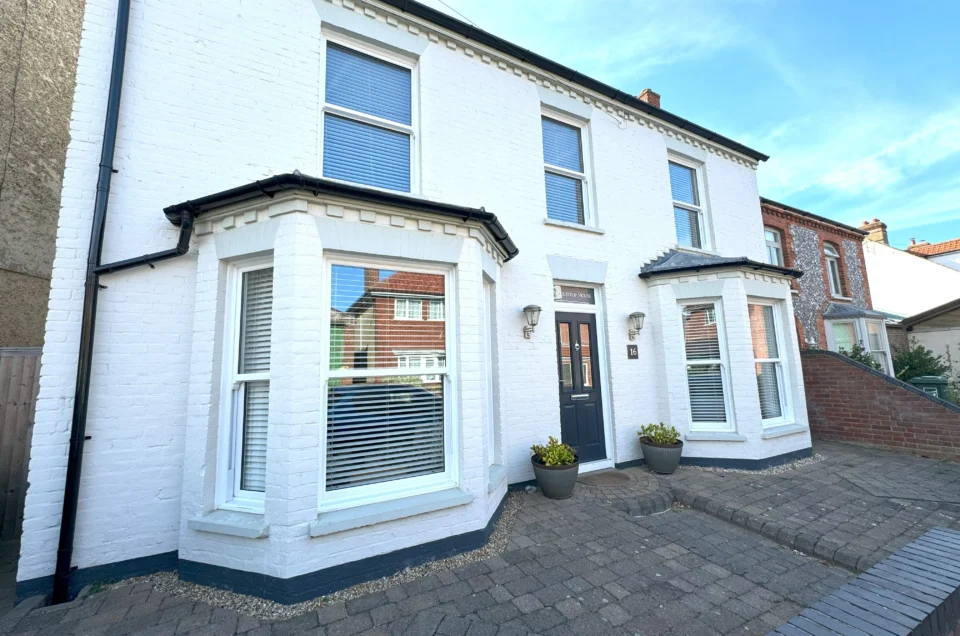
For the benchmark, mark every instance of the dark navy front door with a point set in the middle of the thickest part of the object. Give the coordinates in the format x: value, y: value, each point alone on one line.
x: 581, y: 407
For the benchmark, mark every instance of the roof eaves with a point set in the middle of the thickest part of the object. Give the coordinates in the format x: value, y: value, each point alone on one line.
x: 816, y: 217
x: 739, y: 263
x: 270, y: 186
x: 483, y: 37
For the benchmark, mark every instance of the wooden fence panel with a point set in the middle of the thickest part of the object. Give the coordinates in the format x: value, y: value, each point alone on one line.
x: 19, y: 384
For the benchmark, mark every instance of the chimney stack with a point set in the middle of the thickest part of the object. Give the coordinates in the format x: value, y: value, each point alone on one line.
x: 647, y: 95
x: 915, y: 243
x: 877, y: 231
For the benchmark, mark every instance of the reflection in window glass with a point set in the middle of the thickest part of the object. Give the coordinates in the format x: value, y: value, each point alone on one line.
x: 566, y: 362
x: 586, y: 357
x: 704, y: 367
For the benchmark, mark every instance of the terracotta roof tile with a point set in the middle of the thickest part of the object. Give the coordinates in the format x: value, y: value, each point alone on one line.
x: 944, y: 247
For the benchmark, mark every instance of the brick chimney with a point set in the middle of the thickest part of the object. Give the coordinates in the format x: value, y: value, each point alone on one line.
x: 647, y: 95
x: 877, y: 231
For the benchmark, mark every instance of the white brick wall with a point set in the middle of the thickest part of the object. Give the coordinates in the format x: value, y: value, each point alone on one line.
x: 218, y: 93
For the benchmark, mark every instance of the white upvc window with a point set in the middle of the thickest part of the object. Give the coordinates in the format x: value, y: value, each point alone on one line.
x: 436, y: 311
x: 774, y: 246
x: 833, y: 270
x: 686, y: 187
x: 407, y: 309
x: 369, y: 116
x: 489, y: 412
x: 876, y: 343
x: 769, y: 361
x: 246, y: 394
x: 565, y: 169
x: 389, y: 400
x: 705, y: 357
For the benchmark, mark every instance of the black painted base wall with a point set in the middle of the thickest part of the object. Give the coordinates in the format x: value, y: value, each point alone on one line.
x: 107, y: 573
x: 287, y: 591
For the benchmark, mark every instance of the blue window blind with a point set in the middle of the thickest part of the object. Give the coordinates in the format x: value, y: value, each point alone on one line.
x: 564, y: 198
x: 361, y: 153
x: 683, y: 184
x: 562, y: 148
x: 368, y: 85
x: 561, y: 145
x: 358, y: 151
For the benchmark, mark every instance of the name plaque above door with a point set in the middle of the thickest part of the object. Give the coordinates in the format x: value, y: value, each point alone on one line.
x: 569, y: 294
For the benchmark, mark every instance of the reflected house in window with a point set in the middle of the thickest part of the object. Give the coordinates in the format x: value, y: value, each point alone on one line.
x: 395, y: 320
x: 832, y: 302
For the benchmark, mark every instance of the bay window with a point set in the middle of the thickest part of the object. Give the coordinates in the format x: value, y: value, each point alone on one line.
x: 388, y: 407
x: 687, y: 206
x: 704, y: 354
x: 247, y: 378
x: 876, y: 345
x: 368, y: 134
x: 768, y: 361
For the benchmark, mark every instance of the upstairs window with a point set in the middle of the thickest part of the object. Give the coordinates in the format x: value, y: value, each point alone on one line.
x: 687, y: 207
x: 833, y: 269
x: 774, y: 246
x: 368, y: 120
x: 566, y: 179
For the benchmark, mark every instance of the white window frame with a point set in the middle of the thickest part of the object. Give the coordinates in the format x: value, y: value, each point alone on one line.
x: 412, y: 130
x: 885, y: 346
x: 783, y: 373
x: 406, y: 357
x: 406, y: 314
x: 834, y: 277
x: 862, y: 336
x: 709, y: 427
x: 703, y: 210
x: 489, y: 336
x: 589, y: 216
x: 229, y: 495
x: 776, y: 244
x: 385, y: 491
x: 430, y: 310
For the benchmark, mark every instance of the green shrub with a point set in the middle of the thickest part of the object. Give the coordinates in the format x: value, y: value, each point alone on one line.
x: 916, y: 361
x: 555, y: 453
x: 861, y: 355
x: 659, y: 434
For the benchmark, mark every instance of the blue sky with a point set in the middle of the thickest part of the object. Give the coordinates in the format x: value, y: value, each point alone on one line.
x: 857, y: 103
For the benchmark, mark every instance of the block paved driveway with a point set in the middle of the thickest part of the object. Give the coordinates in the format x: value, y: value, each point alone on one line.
x: 853, y: 509
x: 586, y: 566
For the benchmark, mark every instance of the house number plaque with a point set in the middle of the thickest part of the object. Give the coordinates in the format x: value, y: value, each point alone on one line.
x: 633, y: 353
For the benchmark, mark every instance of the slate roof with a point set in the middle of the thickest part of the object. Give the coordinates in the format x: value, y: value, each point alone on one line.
x: 835, y: 311
x: 944, y: 247
x: 677, y: 261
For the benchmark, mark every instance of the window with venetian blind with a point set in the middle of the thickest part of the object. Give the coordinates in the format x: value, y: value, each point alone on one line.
x: 706, y: 384
x: 687, y: 207
x: 564, y: 172
x: 368, y: 130
x: 386, y: 414
x: 768, y: 361
x: 251, y: 384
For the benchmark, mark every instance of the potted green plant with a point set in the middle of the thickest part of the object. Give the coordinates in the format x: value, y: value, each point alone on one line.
x: 661, y: 447
x: 556, y: 466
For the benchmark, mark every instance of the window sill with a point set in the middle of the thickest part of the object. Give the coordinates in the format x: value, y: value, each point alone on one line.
x: 847, y: 298
x: 719, y: 436
x: 495, y: 477
x: 574, y: 226
x: 371, y: 514
x: 781, y: 430
x: 697, y: 250
x: 236, y: 524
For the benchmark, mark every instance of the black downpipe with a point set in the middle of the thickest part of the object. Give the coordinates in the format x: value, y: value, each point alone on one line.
x: 71, y: 492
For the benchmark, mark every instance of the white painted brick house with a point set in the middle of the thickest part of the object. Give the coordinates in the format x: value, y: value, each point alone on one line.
x: 253, y: 417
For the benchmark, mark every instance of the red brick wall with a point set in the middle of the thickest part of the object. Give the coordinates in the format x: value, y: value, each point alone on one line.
x: 848, y: 403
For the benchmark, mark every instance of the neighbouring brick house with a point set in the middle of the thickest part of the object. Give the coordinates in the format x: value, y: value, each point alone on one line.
x: 334, y: 377
x: 832, y: 299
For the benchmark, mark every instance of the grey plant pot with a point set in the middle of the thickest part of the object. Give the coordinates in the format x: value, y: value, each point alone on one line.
x: 556, y: 482
x: 662, y: 459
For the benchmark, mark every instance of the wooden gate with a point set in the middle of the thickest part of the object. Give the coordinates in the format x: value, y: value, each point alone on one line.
x: 19, y: 383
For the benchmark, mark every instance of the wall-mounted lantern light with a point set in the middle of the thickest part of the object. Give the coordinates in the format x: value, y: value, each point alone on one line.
x: 532, y: 314
x: 636, y: 323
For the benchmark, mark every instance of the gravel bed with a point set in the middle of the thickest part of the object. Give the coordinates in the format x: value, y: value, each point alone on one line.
x: 773, y: 470
x: 168, y: 583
